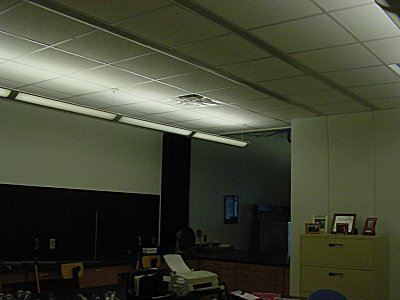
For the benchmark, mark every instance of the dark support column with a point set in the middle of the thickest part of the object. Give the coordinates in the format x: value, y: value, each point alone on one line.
x: 175, y: 188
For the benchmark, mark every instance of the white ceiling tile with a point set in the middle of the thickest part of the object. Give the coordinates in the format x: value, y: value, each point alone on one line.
x: 23, y: 73
x: 364, y: 76
x: 322, y: 97
x: 263, y: 105
x: 20, y: 19
x: 386, y: 103
x: 235, y: 94
x: 158, y: 119
x: 172, y: 26
x: 153, y: 90
x: 305, y: 34
x: 85, y: 102
x: 35, y: 90
x: 57, y: 61
x: 113, y: 98
x: 12, y: 47
x: 265, y: 124
x: 199, y: 82
x: 183, y: 115
x: 295, y: 85
x: 260, y: 12
x: 262, y: 70
x: 288, y: 114
x: 5, y: 4
x: 11, y: 84
x: 377, y: 91
x: 104, y: 47
x: 330, y: 5
x: 150, y: 107
x: 338, y: 58
x: 385, y: 49
x: 156, y: 66
x: 113, y: 11
x: 122, y: 110
x: 367, y: 22
x: 110, y: 77
x: 341, y: 108
x: 71, y: 86
x: 225, y: 50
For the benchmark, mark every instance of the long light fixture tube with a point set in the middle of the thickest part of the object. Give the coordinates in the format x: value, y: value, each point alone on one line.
x: 220, y: 139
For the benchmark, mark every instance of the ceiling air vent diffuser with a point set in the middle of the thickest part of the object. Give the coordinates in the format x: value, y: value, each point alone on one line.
x: 196, y: 100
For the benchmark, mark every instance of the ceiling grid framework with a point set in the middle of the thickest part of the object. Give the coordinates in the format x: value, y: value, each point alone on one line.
x: 265, y: 63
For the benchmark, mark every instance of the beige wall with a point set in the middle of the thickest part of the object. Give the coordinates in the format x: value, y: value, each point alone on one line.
x: 347, y: 164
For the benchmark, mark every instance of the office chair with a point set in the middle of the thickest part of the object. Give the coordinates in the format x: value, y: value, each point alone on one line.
x: 72, y: 271
x: 326, y: 295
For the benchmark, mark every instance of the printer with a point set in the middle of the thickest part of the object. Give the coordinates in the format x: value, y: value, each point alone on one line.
x: 195, y: 280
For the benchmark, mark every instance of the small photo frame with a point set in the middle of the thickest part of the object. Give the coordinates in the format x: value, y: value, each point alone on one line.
x: 342, y: 228
x: 323, y: 222
x: 348, y: 219
x: 369, y: 226
x: 312, y: 228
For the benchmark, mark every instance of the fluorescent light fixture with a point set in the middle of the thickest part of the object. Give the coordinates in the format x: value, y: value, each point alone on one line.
x: 220, y: 139
x: 4, y: 92
x: 396, y: 68
x: 155, y: 126
x: 65, y: 106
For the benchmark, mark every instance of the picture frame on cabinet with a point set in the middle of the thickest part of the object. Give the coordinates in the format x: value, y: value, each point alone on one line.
x: 323, y: 222
x: 369, y: 226
x: 348, y: 219
x: 312, y: 228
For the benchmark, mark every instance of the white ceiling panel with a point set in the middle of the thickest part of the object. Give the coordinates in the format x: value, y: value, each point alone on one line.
x: 12, y: 47
x: 235, y: 94
x: 7, y: 4
x: 226, y: 50
x: 123, y: 110
x: 341, y: 108
x: 291, y: 113
x: 57, y: 61
x: 104, y: 47
x: 113, y: 97
x: 23, y: 73
x: 71, y: 86
x: 386, y: 49
x: 330, y: 5
x: 260, y: 12
x: 115, y: 10
x: 377, y: 91
x: 156, y: 66
x: 183, y: 115
x: 150, y: 107
x: 386, y: 103
x: 110, y: 77
x: 199, y: 82
x: 153, y: 90
x: 11, y: 84
x: 171, y: 26
x: 86, y: 102
x: 263, y: 105
x: 295, y: 85
x: 322, y: 97
x: 262, y: 69
x: 35, y: 90
x: 27, y: 14
x: 367, y: 22
x: 338, y: 58
x: 305, y: 34
x: 364, y: 76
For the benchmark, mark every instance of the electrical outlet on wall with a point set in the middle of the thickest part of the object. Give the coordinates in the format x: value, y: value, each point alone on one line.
x: 52, y: 244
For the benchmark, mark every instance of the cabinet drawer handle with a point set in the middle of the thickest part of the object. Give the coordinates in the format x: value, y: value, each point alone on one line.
x: 44, y: 274
x: 333, y: 274
x: 99, y: 270
x: 334, y: 245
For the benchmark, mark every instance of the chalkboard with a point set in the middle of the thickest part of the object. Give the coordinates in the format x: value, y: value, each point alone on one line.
x: 83, y: 223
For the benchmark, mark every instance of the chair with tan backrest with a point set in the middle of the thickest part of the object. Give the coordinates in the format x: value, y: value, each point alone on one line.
x: 72, y: 271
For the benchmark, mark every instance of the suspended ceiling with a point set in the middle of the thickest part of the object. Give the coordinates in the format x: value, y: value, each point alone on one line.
x: 263, y: 63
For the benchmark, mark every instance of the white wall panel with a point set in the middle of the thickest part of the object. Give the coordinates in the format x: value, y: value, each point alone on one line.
x: 351, y: 165
x: 309, y: 182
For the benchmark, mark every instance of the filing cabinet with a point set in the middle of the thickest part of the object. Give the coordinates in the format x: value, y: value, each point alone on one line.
x: 355, y: 265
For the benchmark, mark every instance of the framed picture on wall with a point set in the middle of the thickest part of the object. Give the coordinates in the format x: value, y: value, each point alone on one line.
x: 369, y: 226
x: 312, y: 228
x: 323, y: 222
x: 348, y: 219
x: 231, y: 209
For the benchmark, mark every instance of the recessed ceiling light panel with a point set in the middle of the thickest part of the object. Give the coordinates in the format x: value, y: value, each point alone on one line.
x: 196, y: 100
x: 396, y: 68
x: 4, y: 92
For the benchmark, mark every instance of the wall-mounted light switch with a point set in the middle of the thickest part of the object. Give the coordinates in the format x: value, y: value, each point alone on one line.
x: 52, y: 244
